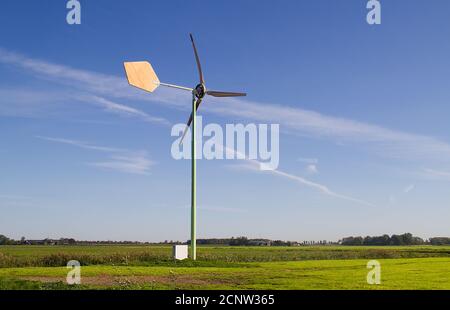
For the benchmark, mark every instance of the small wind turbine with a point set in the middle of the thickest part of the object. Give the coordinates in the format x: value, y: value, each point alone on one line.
x: 141, y: 75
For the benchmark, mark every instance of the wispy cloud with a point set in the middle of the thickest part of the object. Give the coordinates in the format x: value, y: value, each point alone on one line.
x: 83, y: 145
x: 409, y: 188
x: 437, y: 174
x: 91, y: 87
x: 384, y: 141
x: 23, y: 102
x: 35, y: 103
x: 255, y: 165
x: 393, y: 198
x: 312, y: 169
x: 122, y: 160
x: 88, y: 81
x: 124, y: 110
x: 308, y: 160
x: 322, y: 188
x: 133, y: 163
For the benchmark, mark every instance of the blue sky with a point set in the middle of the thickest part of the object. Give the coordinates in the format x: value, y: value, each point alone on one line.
x: 363, y: 113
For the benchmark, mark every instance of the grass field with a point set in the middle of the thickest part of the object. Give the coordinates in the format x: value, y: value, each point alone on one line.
x: 150, y: 267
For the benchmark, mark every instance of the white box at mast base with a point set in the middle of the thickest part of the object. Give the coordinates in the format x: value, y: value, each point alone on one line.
x: 180, y: 252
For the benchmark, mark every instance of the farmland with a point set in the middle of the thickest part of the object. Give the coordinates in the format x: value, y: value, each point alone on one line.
x: 224, y: 267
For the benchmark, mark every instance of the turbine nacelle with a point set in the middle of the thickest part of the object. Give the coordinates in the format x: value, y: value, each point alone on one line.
x: 200, y: 91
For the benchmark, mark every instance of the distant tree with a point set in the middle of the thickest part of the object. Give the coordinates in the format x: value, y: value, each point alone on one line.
x: 5, y: 240
x: 378, y: 240
x: 407, y: 238
x: 404, y: 239
x: 240, y: 241
x: 418, y: 241
x: 352, y: 241
x: 396, y: 240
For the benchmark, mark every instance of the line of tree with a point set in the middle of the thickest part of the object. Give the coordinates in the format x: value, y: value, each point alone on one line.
x: 404, y: 239
x: 244, y: 241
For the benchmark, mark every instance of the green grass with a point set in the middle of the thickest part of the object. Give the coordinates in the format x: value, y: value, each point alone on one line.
x: 150, y: 267
x: 422, y: 273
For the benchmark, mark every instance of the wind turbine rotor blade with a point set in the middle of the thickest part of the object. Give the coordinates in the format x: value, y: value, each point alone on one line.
x: 186, y: 129
x: 197, y: 59
x: 225, y: 94
x: 189, y: 122
x: 140, y: 74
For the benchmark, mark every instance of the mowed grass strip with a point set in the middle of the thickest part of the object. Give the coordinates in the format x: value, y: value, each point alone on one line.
x: 417, y: 273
